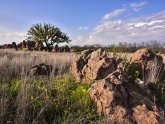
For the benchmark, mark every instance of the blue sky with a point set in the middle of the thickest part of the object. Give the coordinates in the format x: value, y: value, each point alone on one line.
x: 86, y: 21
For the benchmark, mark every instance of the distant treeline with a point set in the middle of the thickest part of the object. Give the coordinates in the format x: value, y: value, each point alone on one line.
x: 126, y: 47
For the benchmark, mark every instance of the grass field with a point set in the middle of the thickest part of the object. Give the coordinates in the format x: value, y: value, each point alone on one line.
x: 15, y: 63
x: 44, y: 100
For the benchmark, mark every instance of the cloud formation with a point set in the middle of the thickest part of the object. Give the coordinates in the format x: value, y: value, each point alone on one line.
x: 113, y: 14
x: 137, y: 6
x: 83, y: 28
x: 133, y: 30
x: 8, y: 37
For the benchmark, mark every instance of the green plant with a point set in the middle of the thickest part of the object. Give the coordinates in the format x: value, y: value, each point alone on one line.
x: 159, y: 90
x: 136, y: 74
x: 47, y: 100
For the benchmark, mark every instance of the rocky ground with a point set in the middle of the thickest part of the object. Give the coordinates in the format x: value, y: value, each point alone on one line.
x: 123, y: 91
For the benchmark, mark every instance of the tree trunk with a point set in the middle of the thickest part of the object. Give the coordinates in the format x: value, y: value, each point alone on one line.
x: 48, y: 46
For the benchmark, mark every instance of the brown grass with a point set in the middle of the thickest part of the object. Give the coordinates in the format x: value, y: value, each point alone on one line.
x: 15, y: 63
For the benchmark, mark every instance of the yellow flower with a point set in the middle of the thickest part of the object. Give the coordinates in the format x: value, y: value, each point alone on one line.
x: 31, y: 97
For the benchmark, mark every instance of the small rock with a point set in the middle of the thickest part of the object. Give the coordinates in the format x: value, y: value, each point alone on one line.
x: 40, y: 69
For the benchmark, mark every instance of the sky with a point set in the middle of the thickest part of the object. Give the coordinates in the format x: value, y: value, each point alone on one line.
x: 86, y: 21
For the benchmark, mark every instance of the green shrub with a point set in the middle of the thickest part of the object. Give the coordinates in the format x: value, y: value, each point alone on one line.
x: 47, y: 100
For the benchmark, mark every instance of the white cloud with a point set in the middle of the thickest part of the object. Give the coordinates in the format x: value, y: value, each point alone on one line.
x: 150, y: 23
x: 83, y: 28
x: 115, y: 13
x: 154, y: 22
x: 82, y: 40
x: 137, y: 6
x: 133, y: 30
x: 11, y: 36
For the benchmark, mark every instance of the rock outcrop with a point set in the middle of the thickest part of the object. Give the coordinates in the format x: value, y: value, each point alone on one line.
x: 144, y: 115
x: 124, y: 102
x: 144, y: 55
x: 145, y: 59
x: 116, y: 97
x: 40, y: 69
x: 79, y: 63
x: 94, y: 65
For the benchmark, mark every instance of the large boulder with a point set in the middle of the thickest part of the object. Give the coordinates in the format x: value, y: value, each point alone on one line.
x: 117, y: 97
x: 94, y: 65
x: 124, y: 102
x: 40, y: 69
x: 143, y: 115
x: 97, y: 64
x: 146, y: 60
x: 144, y: 55
x: 79, y: 63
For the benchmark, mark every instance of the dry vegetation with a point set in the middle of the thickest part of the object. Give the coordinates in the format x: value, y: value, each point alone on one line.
x: 42, y: 100
x: 14, y: 63
x: 45, y: 100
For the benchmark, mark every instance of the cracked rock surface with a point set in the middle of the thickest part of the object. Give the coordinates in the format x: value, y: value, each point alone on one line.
x: 116, y: 97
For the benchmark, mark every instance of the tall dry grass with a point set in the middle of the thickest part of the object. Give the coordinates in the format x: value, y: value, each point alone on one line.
x: 17, y: 88
x: 154, y: 73
x: 17, y: 63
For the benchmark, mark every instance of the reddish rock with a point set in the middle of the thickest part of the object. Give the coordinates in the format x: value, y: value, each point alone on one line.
x: 146, y: 60
x: 143, y: 116
x: 93, y: 65
x: 119, y: 115
x: 79, y: 63
x: 108, y: 95
x: 116, y: 102
x: 143, y: 55
x: 116, y: 97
